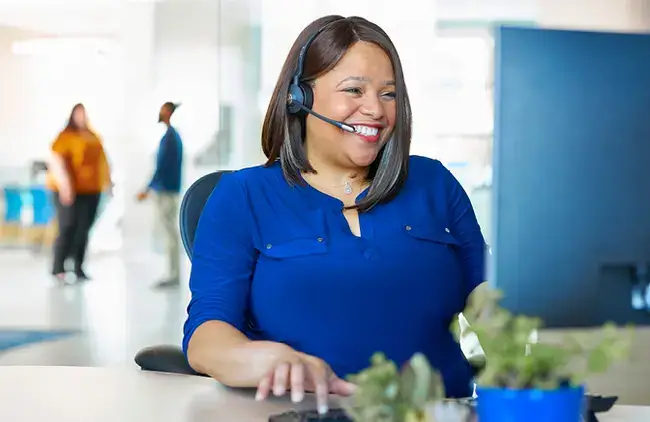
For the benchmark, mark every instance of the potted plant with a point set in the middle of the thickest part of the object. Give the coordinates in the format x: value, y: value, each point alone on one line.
x: 413, y: 394
x: 526, y: 381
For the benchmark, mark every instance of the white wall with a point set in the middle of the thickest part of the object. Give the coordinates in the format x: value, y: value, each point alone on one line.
x: 137, y: 122
x: 606, y: 15
x: 487, y: 10
x: 58, y: 17
x: 602, y: 15
x: 13, y: 85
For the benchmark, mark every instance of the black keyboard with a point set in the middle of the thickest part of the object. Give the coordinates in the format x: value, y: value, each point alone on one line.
x: 595, y: 404
x: 334, y: 415
x: 598, y: 404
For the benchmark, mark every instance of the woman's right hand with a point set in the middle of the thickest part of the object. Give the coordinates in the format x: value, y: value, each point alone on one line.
x: 66, y: 196
x: 299, y: 373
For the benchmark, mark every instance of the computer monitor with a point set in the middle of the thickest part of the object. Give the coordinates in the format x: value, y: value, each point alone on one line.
x: 571, y: 185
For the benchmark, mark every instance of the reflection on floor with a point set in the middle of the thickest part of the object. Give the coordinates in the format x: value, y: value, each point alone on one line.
x: 117, y: 313
x: 18, y: 337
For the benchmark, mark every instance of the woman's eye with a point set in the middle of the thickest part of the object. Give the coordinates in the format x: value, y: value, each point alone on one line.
x: 353, y: 91
x: 359, y: 91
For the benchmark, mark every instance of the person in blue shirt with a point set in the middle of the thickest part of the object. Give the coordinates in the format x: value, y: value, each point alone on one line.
x: 341, y: 245
x: 166, y: 184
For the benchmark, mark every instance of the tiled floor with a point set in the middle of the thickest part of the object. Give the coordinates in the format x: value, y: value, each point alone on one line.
x: 117, y: 312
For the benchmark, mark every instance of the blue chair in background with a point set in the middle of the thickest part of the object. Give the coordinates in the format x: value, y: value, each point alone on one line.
x: 13, y: 199
x: 41, y: 232
x: 42, y: 206
x: 13, y: 211
x: 168, y: 358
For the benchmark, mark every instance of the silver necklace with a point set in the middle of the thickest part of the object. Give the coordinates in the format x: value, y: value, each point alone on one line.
x: 347, y: 188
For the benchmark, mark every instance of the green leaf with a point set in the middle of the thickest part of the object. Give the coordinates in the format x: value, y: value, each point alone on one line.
x: 408, y: 383
x: 422, y: 370
x: 598, y: 361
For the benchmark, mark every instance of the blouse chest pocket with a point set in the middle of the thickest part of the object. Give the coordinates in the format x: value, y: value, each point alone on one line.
x: 285, y: 248
x: 431, y: 232
x: 285, y: 236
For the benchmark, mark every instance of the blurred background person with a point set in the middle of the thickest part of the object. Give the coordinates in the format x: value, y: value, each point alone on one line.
x: 78, y: 173
x: 166, y: 184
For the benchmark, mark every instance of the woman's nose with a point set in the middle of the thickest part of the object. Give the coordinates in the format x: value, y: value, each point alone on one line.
x: 372, y: 107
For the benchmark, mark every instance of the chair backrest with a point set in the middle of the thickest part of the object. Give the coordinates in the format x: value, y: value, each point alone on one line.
x: 13, y: 204
x: 42, y: 207
x: 192, y: 207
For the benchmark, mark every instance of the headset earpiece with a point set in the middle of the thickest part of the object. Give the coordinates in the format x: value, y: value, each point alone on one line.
x: 300, y: 93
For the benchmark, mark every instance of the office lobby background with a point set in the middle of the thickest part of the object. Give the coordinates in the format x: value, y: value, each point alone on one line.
x: 220, y: 59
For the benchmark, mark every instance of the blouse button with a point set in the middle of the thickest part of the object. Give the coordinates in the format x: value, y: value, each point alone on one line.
x: 408, y: 228
x: 446, y: 229
x: 269, y: 246
x: 320, y: 239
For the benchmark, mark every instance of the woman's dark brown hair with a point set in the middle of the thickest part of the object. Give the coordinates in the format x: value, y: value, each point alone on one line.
x: 72, y: 125
x: 282, y: 133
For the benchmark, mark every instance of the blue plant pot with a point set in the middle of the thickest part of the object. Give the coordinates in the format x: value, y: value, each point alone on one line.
x: 506, y: 405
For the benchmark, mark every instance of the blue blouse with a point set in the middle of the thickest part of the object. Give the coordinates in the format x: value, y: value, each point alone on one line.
x: 280, y: 263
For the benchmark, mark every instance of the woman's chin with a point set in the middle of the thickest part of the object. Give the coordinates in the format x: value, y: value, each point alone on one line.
x: 363, y: 158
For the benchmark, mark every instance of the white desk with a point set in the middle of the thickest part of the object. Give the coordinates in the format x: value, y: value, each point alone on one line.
x: 74, y: 394
x: 626, y: 414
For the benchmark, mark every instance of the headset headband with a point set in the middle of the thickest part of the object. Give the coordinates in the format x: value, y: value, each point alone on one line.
x: 305, y: 48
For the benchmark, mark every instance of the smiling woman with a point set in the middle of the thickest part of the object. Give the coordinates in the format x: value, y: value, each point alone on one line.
x: 341, y: 245
x: 338, y: 68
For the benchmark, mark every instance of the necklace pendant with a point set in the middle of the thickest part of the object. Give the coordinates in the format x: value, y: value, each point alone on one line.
x: 347, y: 188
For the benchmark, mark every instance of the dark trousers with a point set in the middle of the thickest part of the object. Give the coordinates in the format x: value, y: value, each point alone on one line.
x: 75, y: 222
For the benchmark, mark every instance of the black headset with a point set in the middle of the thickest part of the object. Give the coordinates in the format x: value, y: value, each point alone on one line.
x: 300, y: 98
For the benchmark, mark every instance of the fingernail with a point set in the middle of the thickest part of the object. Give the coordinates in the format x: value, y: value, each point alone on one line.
x: 296, y: 396
x: 323, y: 409
x: 258, y: 396
x: 278, y: 391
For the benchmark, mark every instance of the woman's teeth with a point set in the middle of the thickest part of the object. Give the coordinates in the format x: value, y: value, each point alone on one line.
x: 366, y: 130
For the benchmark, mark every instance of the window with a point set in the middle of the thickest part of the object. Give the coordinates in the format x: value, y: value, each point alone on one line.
x: 464, y: 109
x: 463, y: 103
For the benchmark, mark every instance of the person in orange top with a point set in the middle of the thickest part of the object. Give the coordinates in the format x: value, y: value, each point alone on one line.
x: 78, y: 174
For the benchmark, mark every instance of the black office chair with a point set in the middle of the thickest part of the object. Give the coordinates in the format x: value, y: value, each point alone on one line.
x: 167, y: 358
